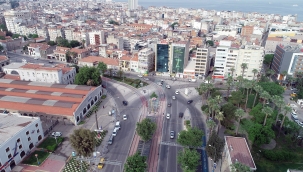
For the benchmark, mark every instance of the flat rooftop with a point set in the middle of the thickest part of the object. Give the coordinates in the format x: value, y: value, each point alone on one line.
x: 12, y: 124
x: 41, y: 97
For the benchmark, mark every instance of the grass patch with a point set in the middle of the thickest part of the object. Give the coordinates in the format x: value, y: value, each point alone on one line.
x: 82, y: 122
x: 99, y: 137
x: 50, y: 143
x: 32, y: 160
x: 132, y: 82
x: 75, y: 165
x: 187, y: 123
x: 103, y: 96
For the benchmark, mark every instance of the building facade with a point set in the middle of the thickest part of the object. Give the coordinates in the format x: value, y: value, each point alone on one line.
x: 146, y: 60
x: 162, y: 58
x: 19, y: 135
x: 202, y: 62
x: 14, y: 18
x: 96, y: 38
x: 132, y: 4
x: 179, y: 58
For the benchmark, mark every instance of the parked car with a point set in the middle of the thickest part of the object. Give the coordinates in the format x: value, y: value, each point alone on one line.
x: 101, y: 164
x: 172, y: 134
x: 173, y: 97
x: 167, y: 86
x: 56, y: 134
x: 181, y: 115
x: 50, y: 62
x: 299, y: 123
x: 124, y: 117
x: 124, y: 103
x: 140, y: 76
x: 177, y: 92
x: 294, y: 116
x: 115, y: 131
x: 168, y: 116
x: 189, y: 101
x: 168, y: 104
x: 146, y: 79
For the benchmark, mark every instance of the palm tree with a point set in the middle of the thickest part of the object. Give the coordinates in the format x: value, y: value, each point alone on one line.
x: 212, y: 103
x: 258, y: 89
x: 83, y: 43
x: 210, y: 124
x: 219, y: 116
x: 209, y: 88
x: 208, y: 78
x: 284, y: 73
x: 229, y: 83
x: 247, y: 86
x: 95, y: 110
x: 287, y: 109
x: 279, y: 103
x: 243, y: 67
x: 218, y: 99
x: 120, y: 73
x: 267, y: 111
x: 239, y: 114
x: 265, y: 96
x: 203, y: 89
x: 270, y: 73
x: 255, y: 71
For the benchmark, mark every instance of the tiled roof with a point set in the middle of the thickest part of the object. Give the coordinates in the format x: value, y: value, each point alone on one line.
x: 2, y: 58
x: 41, y: 97
x: 94, y: 59
x: 239, y: 151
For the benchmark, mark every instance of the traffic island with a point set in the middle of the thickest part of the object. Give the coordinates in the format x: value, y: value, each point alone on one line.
x: 136, y: 83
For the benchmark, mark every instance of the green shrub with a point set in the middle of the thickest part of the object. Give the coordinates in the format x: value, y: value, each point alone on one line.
x: 250, y: 101
x: 204, y: 107
x: 103, y: 96
x: 279, y: 155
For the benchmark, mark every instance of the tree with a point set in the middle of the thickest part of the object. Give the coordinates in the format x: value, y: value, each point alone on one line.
x: 259, y: 134
x: 210, y: 124
x: 270, y: 73
x: 68, y: 56
x: 210, y: 43
x: 287, y: 109
x: 120, y: 73
x: 33, y: 36
x: 238, y: 167
x: 146, y: 129
x: 214, y: 147
x: 15, y: 36
x: 247, y: 86
x: 268, y: 59
x: 135, y: 163
x: 83, y: 141
x: 153, y: 95
x: 102, y: 67
x: 236, y: 98
x: 232, y: 71
x: 265, y: 96
x: 74, y: 43
x: 62, y: 42
x: 258, y: 89
x: 239, y: 113
x: 189, y: 160
x: 113, y: 22
x: 212, y: 105
x: 3, y: 27
x: 83, y: 43
x: 2, y: 37
x: 243, y: 67
x: 229, y: 115
x: 219, y: 116
x: 88, y: 73
x: 51, y: 43
x: 267, y: 111
x: 9, y: 33
x: 191, y: 137
x: 255, y: 71
x: 229, y: 83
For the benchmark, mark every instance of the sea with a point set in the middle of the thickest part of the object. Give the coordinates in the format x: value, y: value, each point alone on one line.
x: 282, y: 7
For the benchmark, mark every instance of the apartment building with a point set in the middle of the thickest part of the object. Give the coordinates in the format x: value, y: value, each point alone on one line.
x: 289, y: 59
x: 162, y: 59
x: 202, y: 62
x: 132, y: 4
x: 68, y: 34
x: 179, y: 52
x: 54, y: 32
x: 60, y: 53
x: 59, y: 74
x: 146, y: 60
x: 118, y: 41
x: 43, y: 31
x: 133, y: 64
x: 10, y: 44
x: 19, y: 136
x: 96, y: 37
x: 253, y: 56
x: 14, y: 18
x: 40, y: 50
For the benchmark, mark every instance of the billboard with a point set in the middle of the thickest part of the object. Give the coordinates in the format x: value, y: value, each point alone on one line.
x: 178, y: 59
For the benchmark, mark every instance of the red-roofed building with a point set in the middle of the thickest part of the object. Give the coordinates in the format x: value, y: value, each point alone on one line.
x: 237, y: 150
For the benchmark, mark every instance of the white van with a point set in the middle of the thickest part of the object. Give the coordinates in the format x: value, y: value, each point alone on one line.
x: 117, y: 125
x: 192, y: 80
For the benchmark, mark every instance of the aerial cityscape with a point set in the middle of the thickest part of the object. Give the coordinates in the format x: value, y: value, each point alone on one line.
x: 137, y: 86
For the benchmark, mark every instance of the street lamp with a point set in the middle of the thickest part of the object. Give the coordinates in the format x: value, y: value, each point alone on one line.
x: 36, y: 155
x: 214, y: 157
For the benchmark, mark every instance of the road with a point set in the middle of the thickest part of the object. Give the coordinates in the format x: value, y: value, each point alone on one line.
x: 118, y: 151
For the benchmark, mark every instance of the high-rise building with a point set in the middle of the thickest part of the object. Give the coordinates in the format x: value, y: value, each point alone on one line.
x: 202, y: 62
x: 289, y: 59
x: 132, y: 4
x: 162, y: 58
x: 179, y: 58
x: 96, y: 37
x: 146, y: 60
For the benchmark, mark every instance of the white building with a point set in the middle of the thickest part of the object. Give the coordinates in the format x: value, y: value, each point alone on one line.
x: 146, y: 60
x: 14, y: 18
x: 59, y: 74
x: 132, y: 4
x: 251, y: 55
x: 96, y: 37
x: 19, y: 135
x: 202, y: 62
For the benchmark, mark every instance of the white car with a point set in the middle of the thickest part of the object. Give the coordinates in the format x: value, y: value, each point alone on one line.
x: 172, y: 134
x: 177, y: 92
x: 299, y: 123
x: 168, y: 116
x: 294, y: 116
x: 56, y: 134
x: 146, y: 79
x: 167, y: 86
x: 159, y: 83
x: 124, y: 117
x: 140, y: 76
x: 115, y: 131
x: 173, y: 97
x: 36, y: 58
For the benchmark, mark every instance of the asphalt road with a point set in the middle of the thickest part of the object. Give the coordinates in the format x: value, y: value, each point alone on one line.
x: 118, y: 151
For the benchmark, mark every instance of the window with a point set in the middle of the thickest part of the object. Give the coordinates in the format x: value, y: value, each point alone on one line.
x: 20, y: 146
x: 9, y: 156
x: 38, y: 131
x: 29, y: 139
x: 27, y: 133
x: 36, y: 125
x: 7, y: 149
x: 18, y: 140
